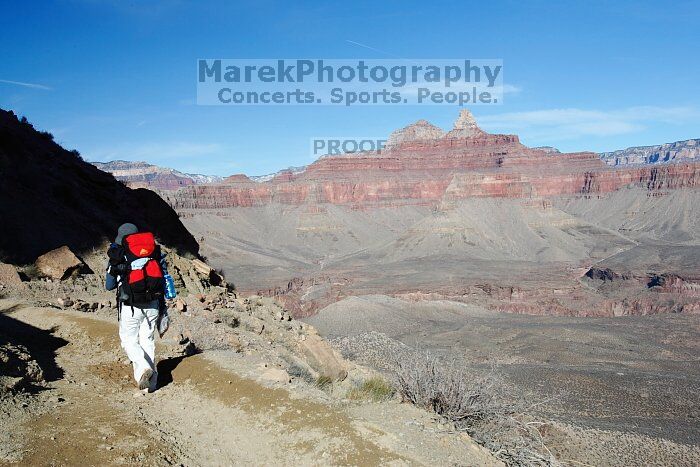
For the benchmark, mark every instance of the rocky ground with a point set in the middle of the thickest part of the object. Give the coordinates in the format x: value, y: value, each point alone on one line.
x: 240, y: 382
x: 612, y: 391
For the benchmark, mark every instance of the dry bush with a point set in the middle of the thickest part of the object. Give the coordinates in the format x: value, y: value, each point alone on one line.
x: 476, y: 404
x: 297, y: 371
x: 324, y: 382
x: 75, y: 153
x: 375, y: 389
x: 30, y: 272
x: 47, y: 135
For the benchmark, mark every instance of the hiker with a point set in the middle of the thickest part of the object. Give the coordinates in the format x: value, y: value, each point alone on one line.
x: 134, y: 269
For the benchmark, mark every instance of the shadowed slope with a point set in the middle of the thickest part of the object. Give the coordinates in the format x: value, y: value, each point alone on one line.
x: 50, y: 197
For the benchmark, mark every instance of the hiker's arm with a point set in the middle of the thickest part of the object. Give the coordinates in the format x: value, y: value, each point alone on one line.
x: 115, y: 253
x: 110, y: 280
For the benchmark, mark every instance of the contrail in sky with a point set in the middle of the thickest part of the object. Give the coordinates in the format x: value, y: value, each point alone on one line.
x: 26, y: 85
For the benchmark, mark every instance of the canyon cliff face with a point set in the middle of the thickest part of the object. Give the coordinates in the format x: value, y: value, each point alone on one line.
x: 422, y: 165
x: 144, y: 175
x: 680, y: 151
x: 459, y: 215
x: 422, y: 130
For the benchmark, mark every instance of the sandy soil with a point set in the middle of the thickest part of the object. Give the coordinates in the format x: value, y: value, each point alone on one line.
x: 204, y: 413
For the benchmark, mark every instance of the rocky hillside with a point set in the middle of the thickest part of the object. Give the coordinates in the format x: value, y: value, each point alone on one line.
x: 680, y: 151
x: 276, y: 391
x: 142, y: 174
x: 50, y: 197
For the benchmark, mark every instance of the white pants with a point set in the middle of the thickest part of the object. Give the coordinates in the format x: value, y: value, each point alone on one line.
x: 137, y: 327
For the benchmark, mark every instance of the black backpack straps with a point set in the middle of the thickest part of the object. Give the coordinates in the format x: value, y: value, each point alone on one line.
x: 156, y: 253
x: 119, y: 302
x: 119, y: 308
x: 115, y: 253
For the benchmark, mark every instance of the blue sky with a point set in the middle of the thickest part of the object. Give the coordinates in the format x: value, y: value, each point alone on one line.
x: 117, y: 79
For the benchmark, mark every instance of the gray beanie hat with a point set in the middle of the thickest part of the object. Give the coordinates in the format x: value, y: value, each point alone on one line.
x: 124, y: 230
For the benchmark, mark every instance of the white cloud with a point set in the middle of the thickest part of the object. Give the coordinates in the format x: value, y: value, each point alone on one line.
x: 572, y: 123
x: 511, y: 89
x: 26, y: 85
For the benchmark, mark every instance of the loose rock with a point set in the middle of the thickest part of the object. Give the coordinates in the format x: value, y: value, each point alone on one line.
x: 322, y: 358
x: 9, y: 276
x: 58, y: 264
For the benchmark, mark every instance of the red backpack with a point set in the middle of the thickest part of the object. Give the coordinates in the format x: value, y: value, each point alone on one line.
x: 143, y: 280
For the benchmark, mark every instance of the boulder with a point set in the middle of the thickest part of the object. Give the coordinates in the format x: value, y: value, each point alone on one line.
x: 252, y: 324
x: 322, y: 358
x: 275, y: 375
x: 59, y: 263
x: 180, y: 305
x: 210, y: 275
x: 234, y: 342
x: 201, y: 267
x: 80, y: 305
x: 9, y: 276
x: 18, y: 368
x: 65, y: 302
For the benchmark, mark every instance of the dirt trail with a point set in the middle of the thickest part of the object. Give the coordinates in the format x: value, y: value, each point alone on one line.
x: 203, y: 414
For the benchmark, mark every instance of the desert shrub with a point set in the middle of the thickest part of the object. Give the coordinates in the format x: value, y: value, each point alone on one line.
x: 29, y: 272
x: 47, y: 135
x: 324, y: 382
x: 76, y: 154
x: 26, y: 122
x: 229, y: 319
x: 375, y: 389
x: 216, y: 277
x: 297, y: 371
x: 477, y: 404
x: 447, y: 389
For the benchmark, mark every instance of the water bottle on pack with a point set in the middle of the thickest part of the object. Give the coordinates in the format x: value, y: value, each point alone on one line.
x: 170, y: 291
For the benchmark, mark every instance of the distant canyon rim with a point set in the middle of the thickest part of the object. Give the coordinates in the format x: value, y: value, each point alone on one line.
x: 459, y: 215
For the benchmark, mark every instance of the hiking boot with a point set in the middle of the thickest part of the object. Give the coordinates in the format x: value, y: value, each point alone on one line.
x: 153, y: 385
x: 145, y: 380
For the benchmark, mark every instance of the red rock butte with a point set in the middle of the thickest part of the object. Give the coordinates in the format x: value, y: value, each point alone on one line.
x: 423, y: 165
